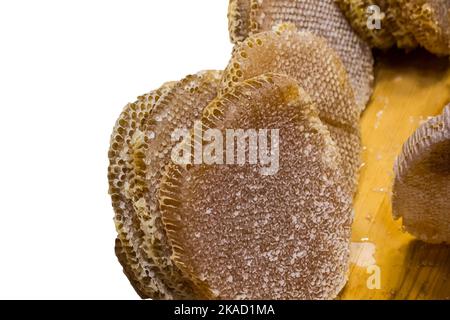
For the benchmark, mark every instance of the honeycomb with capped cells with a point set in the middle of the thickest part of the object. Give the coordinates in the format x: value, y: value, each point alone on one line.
x: 322, y: 18
x: 244, y: 235
x: 421, y: 189
x: 318, y: 69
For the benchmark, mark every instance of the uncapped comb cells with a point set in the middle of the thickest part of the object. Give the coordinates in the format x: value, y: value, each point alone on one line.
x: 389, y: 14
x: 397, y: 24
x: 238, y: 19
x: 322, y: 18
x: 409, y: 23
x: 176, y: 111
x: 253, y: 231
x: 318, y: 69
x: 358, y: 13
x: 147, y: 137
x: 429, y: 21
x: 135, y: 280
x: 421, y: 190
x: 140, y: 270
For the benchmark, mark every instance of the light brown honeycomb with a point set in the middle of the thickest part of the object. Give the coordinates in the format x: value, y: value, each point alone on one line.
x: 317, y: 69
x: 429, y: 21
x: 421, y: 190
x: 410, y: 23
x: 357, y: 15
x: 322, y: 18
x: 238, y: 19
x: 139, y: 269
x: 394, y: 25
x: 179, y: 109
x: 243, y: 235
x: 397, y: 21
x: 141, y: 246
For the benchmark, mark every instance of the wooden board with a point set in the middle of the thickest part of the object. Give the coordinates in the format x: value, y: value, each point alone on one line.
x: 409, y: 88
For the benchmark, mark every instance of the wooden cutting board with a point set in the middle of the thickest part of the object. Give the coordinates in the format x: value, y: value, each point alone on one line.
x: 386, y: 262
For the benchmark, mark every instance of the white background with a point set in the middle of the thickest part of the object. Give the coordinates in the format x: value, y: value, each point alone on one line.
x: 67, y: 68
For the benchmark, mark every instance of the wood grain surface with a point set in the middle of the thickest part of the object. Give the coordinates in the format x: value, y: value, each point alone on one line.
x: 409, y: 88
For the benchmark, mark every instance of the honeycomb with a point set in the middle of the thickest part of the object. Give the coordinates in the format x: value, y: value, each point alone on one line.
x: 429, y: 21
x: 322, y: 18
x: 397, y: 22
x: 141, y: 246
x: 238, y: 19
x: 422, y: 181
x: 407, y: 23
x: 357, y: 14
x: 129, y: 247
x: 243, y: 235
x: 318, y: 69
